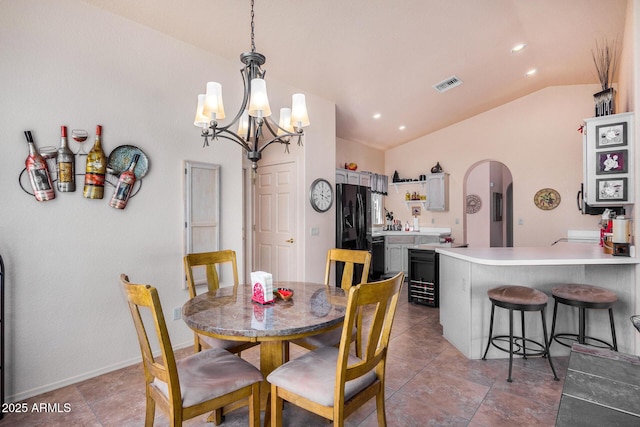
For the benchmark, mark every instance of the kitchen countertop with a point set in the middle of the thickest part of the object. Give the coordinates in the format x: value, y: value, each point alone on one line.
x: 424, y: 231
x: 433, y: 246
x: 559, y: 254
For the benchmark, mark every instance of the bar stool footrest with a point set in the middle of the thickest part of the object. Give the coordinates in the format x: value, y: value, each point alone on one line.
x: 591, y: 341
x: 520, y: 346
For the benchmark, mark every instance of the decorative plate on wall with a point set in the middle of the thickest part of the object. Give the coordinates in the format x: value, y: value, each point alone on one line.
x: 547, y: 199
x: 120, y: 159
x: 474, y: 203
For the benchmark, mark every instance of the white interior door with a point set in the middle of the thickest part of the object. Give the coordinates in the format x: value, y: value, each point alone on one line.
x: 201, y: 212
x: 276, y: 223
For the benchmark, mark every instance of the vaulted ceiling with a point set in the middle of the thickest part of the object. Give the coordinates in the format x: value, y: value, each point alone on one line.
x: 374, y: 56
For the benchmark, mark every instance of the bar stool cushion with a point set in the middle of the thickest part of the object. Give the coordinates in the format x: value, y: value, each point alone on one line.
x: 518, y: 295
x: 584, y: 293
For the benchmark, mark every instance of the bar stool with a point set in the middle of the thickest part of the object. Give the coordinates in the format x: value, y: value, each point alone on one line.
x: 520, y: 298
x: 584, y: 297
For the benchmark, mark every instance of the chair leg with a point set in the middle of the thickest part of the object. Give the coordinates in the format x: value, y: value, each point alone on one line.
x: 581, y: 324
x: 276, y: 408
x: 613, y: 330
x: 254, y: 406
x: 150, y: 412
x: 216, y: 417
x: 493, y: 308
x: 510, y: 343
x: 382, y: 417
x: 524, y: 339
x: 553, y: 322
x: 547, y: 353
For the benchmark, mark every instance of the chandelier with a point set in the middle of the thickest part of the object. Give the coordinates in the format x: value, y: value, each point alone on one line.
x: 252, y: 124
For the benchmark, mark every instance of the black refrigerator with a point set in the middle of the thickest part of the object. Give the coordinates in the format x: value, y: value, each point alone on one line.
x: 353, y: 221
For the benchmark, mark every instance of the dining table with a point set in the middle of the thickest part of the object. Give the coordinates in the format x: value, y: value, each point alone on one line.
x: 230, y: 313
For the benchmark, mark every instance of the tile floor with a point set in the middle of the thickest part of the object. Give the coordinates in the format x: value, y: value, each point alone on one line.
x: 429, y: 383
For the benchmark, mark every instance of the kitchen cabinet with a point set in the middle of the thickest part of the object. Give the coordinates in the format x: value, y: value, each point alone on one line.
x: 438, y: 192
x: 396, y: 253
x: 345, y: 176
x: 436, y: 188
x: 608, y: 154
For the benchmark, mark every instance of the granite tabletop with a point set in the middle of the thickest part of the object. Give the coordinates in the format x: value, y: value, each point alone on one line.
x: 230, y: 313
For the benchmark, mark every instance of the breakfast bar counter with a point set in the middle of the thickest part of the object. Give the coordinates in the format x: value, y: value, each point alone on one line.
x: 466, y: 274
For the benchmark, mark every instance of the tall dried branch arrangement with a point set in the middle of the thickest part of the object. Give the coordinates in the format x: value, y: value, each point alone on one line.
x: 605, y: 58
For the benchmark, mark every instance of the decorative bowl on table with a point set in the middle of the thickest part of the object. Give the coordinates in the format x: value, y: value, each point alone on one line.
x: 283, y: 293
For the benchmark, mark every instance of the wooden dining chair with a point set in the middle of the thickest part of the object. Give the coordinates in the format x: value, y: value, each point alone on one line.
x: 330, y: 381
x: 210, y: 262
x: 348, y: 258
x: 200, y: 383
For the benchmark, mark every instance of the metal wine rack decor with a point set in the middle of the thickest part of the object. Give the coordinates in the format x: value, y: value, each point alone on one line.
x: 114, y: 167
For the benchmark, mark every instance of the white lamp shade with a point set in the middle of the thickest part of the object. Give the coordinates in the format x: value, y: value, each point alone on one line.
x: 285, y: 121
x: 299, y: 115
x: 213, y: 106
x: 258, y: 101
x: 243, y: 124
x: 201, y: 120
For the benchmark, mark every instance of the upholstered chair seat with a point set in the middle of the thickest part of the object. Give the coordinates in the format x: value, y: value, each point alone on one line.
x: 210, y: 374
x: 313, y: 376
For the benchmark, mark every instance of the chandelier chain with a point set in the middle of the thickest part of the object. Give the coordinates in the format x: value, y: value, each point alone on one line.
x: 253, y: 40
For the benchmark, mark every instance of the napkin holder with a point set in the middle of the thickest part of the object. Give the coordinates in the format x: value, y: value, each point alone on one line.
x: 262, y: 287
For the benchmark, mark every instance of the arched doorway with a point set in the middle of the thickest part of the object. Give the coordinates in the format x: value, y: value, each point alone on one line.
x: 488, y: 200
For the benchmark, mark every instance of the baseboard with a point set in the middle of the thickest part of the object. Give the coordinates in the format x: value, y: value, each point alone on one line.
x: 85, y: 376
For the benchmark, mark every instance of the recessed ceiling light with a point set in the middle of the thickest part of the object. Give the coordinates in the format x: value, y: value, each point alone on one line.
x: 531, y: 72
x: 377, y: 116
x: 402, y: 127
x: 518, y: 48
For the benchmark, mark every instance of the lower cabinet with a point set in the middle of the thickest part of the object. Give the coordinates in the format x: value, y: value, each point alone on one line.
x: 396, y: 257
x: 423, y: 277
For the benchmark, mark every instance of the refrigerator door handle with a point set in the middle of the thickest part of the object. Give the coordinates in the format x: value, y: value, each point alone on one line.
x: 360, y: 227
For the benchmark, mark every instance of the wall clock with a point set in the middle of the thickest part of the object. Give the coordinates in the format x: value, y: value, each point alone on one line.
x: 321, y: 195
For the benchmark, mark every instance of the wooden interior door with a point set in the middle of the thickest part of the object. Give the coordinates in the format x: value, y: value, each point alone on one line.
x: 276, y: 246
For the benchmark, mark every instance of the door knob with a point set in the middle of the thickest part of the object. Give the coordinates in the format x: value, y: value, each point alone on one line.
x: 290, y: 240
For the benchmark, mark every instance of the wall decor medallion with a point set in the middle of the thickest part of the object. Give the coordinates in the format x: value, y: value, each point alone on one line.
x: 547, y: 199
x: 474, y: 203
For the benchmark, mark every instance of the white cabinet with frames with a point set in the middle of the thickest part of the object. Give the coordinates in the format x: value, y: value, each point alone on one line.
x: 609, y: 160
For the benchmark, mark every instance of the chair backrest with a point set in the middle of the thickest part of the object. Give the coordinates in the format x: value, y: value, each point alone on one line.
x: 210, y: 261
x: 146, y: 297
x: 349, y: 258
x: 378, y: 302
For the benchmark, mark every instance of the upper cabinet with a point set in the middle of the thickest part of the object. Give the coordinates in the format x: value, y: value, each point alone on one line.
x: 609, y: 160
x: 438, y: 192
x: 345, y: 176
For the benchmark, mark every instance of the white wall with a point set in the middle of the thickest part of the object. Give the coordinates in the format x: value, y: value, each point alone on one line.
x: 67, y: 63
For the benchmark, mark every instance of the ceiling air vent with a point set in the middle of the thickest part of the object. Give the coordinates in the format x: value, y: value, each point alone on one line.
x: 448, y: 83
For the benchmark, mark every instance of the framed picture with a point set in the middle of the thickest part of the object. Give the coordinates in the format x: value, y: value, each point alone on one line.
x: 611, y: 190
x: 611, y: 162
x: 497, y: 207
x: 415, y: 210
x: 611, y: 135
